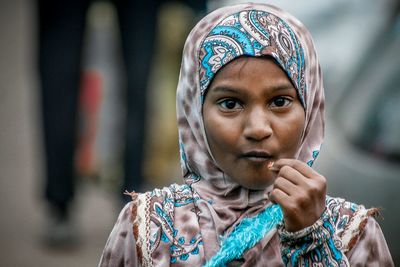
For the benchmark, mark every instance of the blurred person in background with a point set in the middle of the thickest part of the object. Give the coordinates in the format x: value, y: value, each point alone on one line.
x: 61, y: 28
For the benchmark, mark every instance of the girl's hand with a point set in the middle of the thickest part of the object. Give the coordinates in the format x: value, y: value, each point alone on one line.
x: 300, y: 191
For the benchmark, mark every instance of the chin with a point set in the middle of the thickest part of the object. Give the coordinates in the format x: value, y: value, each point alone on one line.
x: 254, y: 179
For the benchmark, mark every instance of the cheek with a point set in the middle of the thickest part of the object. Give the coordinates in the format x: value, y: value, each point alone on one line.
x: 291, y: 132
x: 222, y: 134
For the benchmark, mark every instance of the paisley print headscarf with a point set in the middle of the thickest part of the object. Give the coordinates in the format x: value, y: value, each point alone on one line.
x: 184, y: 223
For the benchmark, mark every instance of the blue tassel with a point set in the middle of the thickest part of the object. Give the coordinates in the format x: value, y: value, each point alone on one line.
x: 245, y: 235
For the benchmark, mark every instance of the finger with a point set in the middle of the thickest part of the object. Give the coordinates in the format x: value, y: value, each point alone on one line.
x: 292, y: 175
x: 286, y: 186
x: 298, y: 165
x: 277, y: 196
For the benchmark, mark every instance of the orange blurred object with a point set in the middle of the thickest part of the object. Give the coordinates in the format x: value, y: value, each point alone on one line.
x: 89, y: 105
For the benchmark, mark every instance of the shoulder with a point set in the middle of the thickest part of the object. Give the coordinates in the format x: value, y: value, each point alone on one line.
x: 152, y: 214
x: 119, y: 249
x: 349, y: 219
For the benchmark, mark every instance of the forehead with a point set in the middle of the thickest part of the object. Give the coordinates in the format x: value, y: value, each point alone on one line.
x: 248, y: 74
x: 252, y: 33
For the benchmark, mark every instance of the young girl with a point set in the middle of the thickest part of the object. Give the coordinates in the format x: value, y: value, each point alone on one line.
x: 250, y: 106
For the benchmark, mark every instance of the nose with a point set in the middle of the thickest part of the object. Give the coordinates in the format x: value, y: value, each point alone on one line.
x: 257, y: 125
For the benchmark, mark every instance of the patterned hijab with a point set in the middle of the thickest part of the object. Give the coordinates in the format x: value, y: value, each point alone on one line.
x: 184, y: 223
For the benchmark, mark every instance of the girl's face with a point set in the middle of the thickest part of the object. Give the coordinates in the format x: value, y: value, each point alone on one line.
x: 252, y: 116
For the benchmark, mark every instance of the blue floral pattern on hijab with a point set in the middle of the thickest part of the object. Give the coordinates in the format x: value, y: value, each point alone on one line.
x: 252, y: 33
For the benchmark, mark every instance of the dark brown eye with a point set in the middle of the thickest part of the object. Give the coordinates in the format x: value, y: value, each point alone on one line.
x: 229, y: 104
x: 280, y: 101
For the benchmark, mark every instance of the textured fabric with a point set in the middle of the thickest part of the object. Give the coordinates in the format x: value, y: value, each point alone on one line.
x: 252, y: 33
x: 246, y: 234
x: 324, y: 241
x: 185, y: 224
x: 369, y: 249
x: 120, y: 248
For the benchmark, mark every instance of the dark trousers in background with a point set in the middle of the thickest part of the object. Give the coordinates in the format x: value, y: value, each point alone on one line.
x: 61, y: 27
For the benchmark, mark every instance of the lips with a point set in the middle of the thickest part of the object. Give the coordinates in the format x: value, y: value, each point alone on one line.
x: 257, y: 156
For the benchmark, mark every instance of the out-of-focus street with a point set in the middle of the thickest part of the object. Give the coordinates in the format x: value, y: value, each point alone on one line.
x: 359, y: 166
x: 22, y: 219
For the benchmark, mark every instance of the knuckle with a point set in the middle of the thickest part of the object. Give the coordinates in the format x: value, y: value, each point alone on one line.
x: 313, y: 188
x: 317, y: 189
x: 321, y: 178
x: 324, y: 184
x: 321, y: 183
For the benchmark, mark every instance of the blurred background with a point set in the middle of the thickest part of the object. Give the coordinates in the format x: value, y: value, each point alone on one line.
x: 358, y: 42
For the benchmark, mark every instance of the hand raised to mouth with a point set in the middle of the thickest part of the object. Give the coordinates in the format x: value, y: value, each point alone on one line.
x: 300, y: 191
